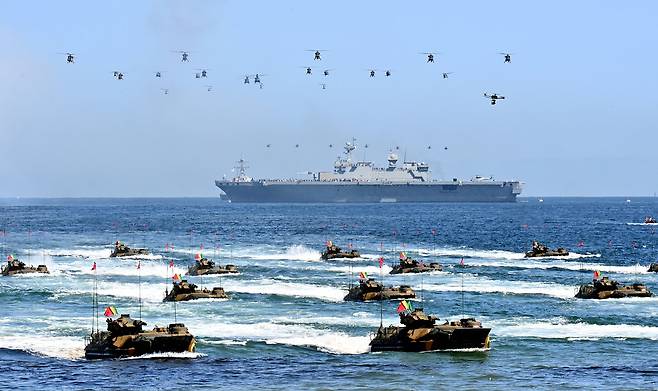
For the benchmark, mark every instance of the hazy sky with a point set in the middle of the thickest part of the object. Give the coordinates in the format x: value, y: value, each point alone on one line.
x: 580, y: 118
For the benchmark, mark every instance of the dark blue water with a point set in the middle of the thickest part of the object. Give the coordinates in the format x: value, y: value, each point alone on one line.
x: 286, y: 326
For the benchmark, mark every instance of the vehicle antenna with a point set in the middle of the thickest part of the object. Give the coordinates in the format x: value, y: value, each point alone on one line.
x: 139, y: 285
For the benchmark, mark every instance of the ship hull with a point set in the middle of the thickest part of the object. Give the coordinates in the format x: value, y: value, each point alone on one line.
x: 350, y: 192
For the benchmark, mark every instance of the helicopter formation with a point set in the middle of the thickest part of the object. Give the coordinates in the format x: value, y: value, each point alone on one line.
x: 202, y: 73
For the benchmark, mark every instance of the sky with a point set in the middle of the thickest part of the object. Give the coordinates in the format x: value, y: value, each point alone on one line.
x: 579, y: 119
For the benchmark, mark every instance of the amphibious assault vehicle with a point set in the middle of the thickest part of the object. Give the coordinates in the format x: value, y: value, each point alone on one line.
x: 125, y: 338
x: 121, y: 250
x: 420, y: 333
x: 408, y: 265
x: 205, y: 266
x: 540, y: 250
x: 332, y: 251
x: 184, y: 291
x: 373, y: 290
x: 15, y: 266
x: 606, y: 288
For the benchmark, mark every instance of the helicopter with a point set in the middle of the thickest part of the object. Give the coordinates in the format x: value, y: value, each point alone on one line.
x: 204, y: 72
x: 372, y: 72
x: 508, y: 57
x: 324, y: 86
x: 308, y: 70
x: 316, y: 55
x: 494, y: 97
x: 445, y: 74
x: 165, y: 91
x: 158, y: 74
x: 387, y: 73
x: 326, y: 72
x: 257, y: 78
x: 430, y: 56
x: 184, y: 55
x: 209, y: 88
x: 70, y: 57
x: 118, y: 75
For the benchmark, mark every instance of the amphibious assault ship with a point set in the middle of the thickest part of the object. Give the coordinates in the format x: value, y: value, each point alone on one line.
x: 362, y: 181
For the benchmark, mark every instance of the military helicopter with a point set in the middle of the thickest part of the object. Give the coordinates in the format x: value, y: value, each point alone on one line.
x: 387, y: 73
x: 445, y: 74
x: 158, y: 74
x: 508, y: 57
x: 326, y: 72
x: 204, y: 73
x: 323, y: 85
x: 184, y: 55
x: 118, y: 75
x: 70, y: 57
x: 209, y: 88
x: 494, y: 97
x: 371, y: 72
x: 316, y: 55
x: 308, y: 70
x: 165, y: 91
x: 430, y: 55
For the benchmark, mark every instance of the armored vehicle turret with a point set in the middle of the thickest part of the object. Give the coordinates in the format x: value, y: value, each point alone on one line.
x: 372, y: 290
x: 205, y: 266
x: 15, y: 266
x: 606, y: 288
x: 184, y: 291
x: 125, y: 338
x: 121, y: 250
x: 408, y: 265
x: 420, y: 333
x: 332, y: 251
x: 541, y: 250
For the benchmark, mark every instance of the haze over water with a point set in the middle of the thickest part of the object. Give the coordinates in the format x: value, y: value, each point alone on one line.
x: 579, y: 116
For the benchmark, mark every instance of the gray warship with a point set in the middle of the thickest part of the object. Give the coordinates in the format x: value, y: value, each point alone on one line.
x: 361, y: 181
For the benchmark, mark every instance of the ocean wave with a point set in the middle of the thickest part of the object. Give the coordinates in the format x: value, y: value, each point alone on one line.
x: 560, y: 264
x: 465, y: 252
x: 44, y: 345
x: 486, y: 285
x: 275, y: 287
x: 286, y: 334
x: 578, y: 330
x: 93, y: 253
x: 167, y: 355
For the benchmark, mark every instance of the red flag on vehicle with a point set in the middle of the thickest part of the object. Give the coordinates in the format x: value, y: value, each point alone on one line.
x: 381, y: 262
x: 171, y: 263
x: 197, y: 256
x: 597, y: 274
x: 462, y: 261
x: 93, y: 266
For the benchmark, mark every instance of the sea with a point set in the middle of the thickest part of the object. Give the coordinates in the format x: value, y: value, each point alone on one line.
x: 286, y: 326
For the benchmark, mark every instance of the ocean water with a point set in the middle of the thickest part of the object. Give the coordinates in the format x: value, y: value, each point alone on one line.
x: 286, y: 326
